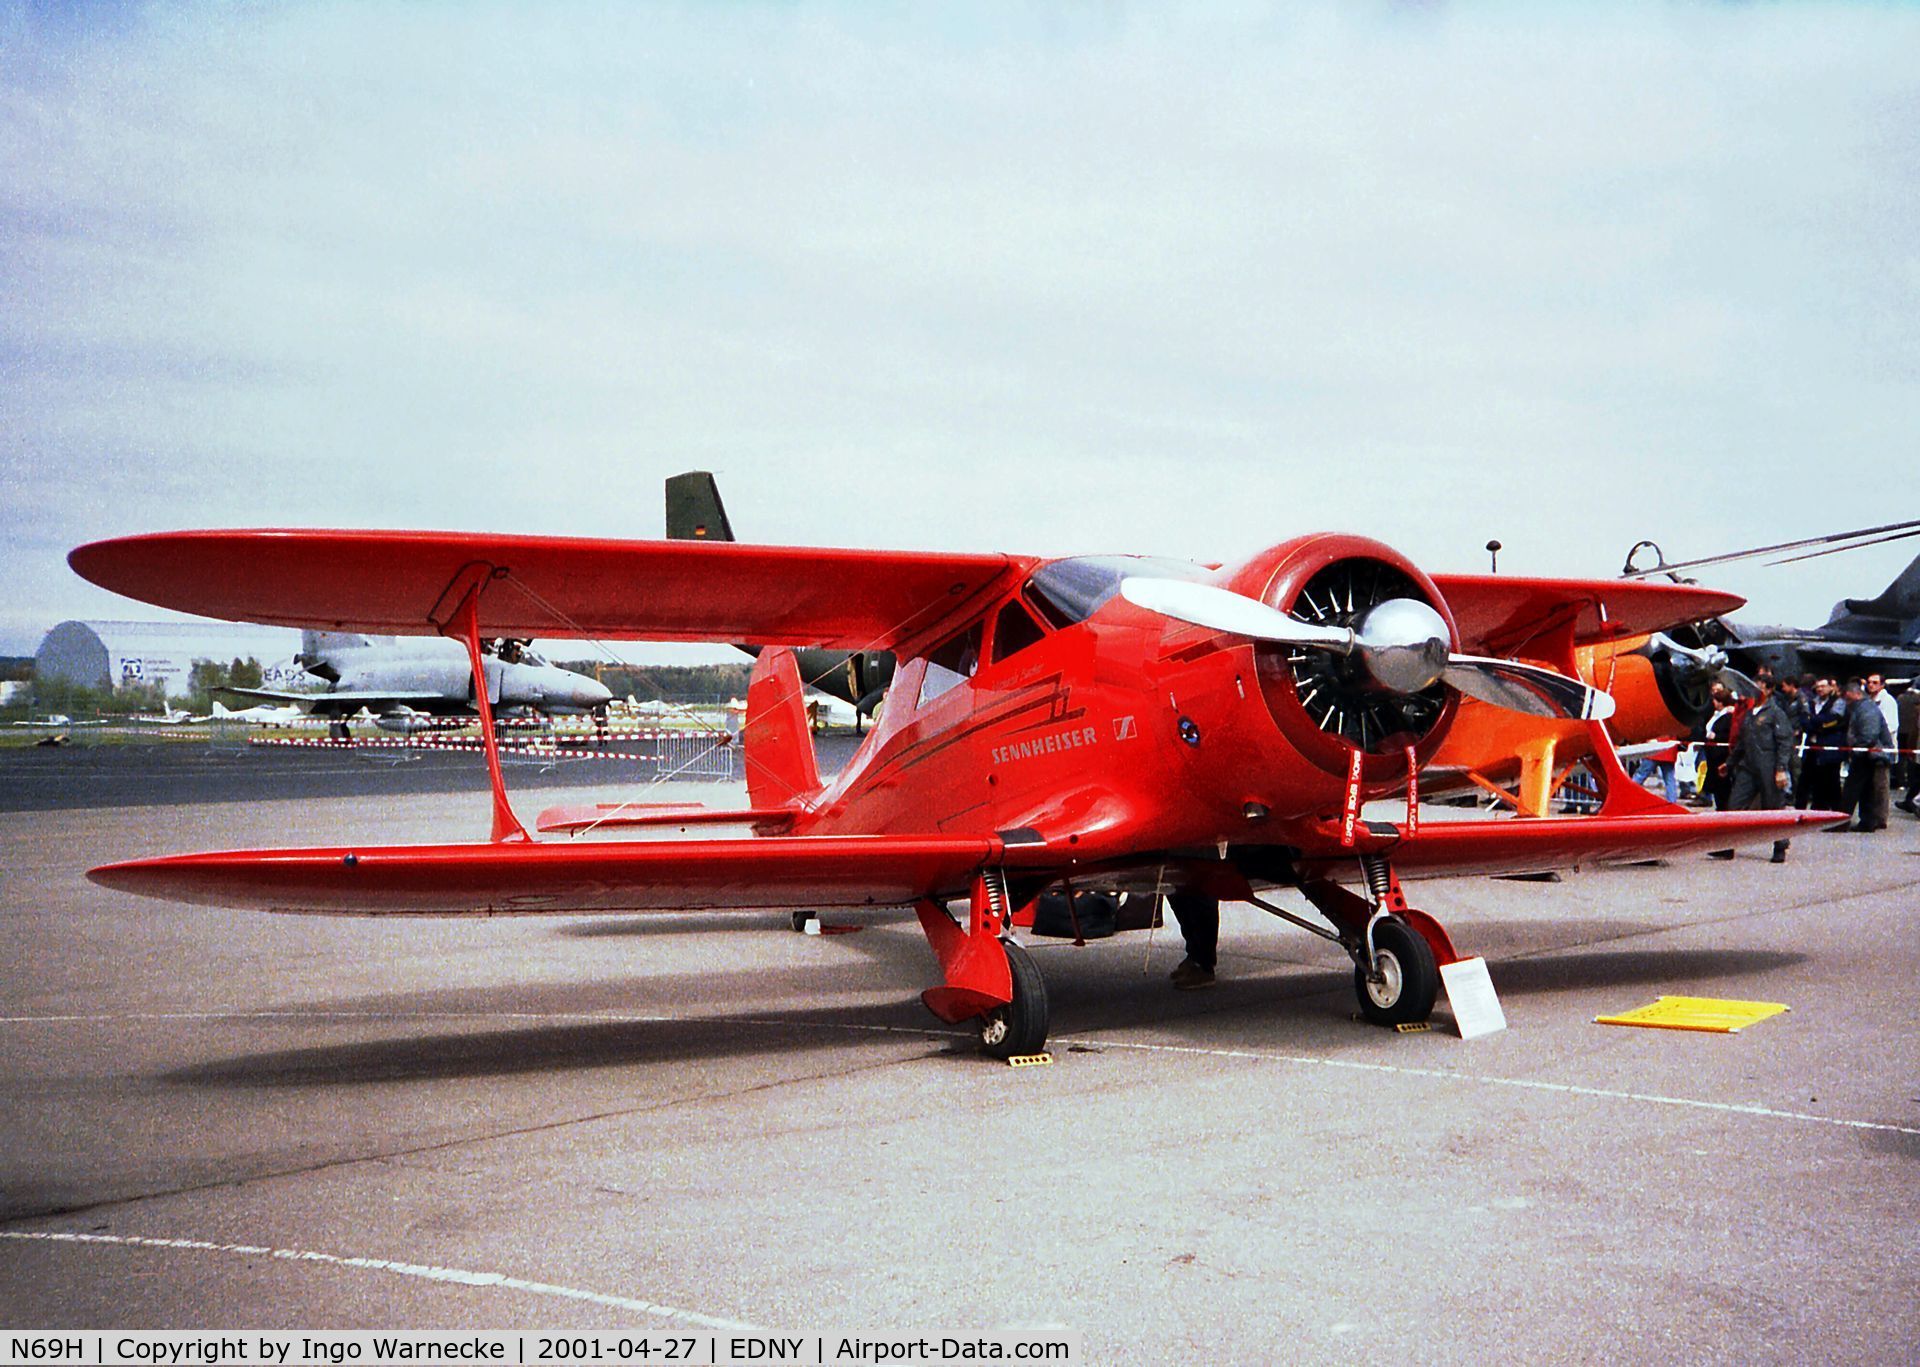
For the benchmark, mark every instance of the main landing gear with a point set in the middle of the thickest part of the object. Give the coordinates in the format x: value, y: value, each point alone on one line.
x: 987, y: 979
x: 1020, y: 1025
x: 1396, y: 950
x: 1400, y: 985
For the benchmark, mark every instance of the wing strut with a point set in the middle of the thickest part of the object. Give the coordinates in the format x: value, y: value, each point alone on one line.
x: 465, y: 621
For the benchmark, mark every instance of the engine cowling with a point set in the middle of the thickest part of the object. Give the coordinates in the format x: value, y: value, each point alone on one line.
x: 1325, y: 704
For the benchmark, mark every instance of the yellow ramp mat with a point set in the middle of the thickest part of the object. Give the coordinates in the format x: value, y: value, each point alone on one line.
x: 1695, y: 1013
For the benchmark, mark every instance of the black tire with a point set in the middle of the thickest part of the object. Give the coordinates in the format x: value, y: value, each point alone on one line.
x: 1019, y: 1027
x: 1412, y: 978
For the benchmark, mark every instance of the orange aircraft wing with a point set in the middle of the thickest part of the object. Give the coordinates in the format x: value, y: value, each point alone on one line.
x: 1501, y: 614
x: 410, y: 583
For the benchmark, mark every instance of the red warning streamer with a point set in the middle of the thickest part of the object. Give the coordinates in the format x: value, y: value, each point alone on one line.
x: 1350, y: 819
x: 1413, y: 792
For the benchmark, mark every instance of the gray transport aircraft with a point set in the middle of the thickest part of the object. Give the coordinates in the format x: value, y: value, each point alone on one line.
x: 405, y: 684
x: 861, y: 677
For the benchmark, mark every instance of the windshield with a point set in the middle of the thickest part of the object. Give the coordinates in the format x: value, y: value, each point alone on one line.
x: 1070, y: 591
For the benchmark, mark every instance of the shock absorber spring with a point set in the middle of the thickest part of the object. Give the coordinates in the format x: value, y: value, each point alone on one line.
x: 1379, y: 877
x: 996, y: 884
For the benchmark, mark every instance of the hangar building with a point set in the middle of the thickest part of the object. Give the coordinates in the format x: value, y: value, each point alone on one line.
x: 103, y: 654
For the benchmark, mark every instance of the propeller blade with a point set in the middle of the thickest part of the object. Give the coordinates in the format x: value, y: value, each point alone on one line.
x: 1711, y: 661
x: 1529, y: 689
x: 1740, y: 685
x: 1218, y: 609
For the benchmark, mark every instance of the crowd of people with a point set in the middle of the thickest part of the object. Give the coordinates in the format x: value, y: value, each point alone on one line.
x: 1818, y: 743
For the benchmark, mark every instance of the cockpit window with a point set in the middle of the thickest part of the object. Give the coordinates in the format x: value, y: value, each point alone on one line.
x: 951, y: 664
x: 1069, y: 591
x: 1014, y: 629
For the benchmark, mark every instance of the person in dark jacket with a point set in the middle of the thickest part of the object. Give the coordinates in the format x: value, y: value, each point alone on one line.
x: 1869, y: 741
x: 1826, y: 735
x: 1762, y: 751
x: 1716, y: 780
x: 1787, y: 694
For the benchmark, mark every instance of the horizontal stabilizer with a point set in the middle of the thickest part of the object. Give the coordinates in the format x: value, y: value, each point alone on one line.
x: 611, y: 815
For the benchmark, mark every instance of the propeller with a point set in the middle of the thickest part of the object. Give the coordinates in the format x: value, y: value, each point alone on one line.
x: 1401, y: 643
x: 1707, y: 662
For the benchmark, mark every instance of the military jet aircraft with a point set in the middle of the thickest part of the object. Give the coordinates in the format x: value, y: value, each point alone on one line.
x: 407, y: 684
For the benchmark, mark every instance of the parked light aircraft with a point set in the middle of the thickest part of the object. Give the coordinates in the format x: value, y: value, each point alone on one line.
x: 261, y: 714
x: 406, y: 683
x: 1662, y: 685
x: 167, y: 716
x: 1112, y: 723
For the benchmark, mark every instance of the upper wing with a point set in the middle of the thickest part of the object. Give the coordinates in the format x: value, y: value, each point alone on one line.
x: 518, y: 878
x: 1500, y: 614
x: 1524, y: 844
x: 410, y: 583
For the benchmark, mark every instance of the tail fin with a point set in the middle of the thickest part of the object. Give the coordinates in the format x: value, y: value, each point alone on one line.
x: 694, y: 510
x: 1899, y: 601
x: 220, y: 710
x: 781, y: 769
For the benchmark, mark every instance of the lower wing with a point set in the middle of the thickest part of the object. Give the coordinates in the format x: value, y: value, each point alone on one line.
x: 1527, y: 844
x: 521, y: 878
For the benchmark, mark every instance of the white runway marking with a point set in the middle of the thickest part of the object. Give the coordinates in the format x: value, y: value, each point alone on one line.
x: 453, y: 1275
x: 1490, y: 1080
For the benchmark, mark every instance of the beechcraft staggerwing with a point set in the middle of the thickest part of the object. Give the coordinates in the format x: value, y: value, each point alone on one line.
x: 1111, y: 723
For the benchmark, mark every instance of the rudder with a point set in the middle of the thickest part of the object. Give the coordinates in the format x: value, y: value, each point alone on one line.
x: 776, y: 740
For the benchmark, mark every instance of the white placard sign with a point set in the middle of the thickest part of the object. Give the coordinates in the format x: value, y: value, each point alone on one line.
x: 1476, y: 1006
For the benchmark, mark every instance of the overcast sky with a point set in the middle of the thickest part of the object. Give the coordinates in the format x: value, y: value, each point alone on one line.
x: 1045, y: 278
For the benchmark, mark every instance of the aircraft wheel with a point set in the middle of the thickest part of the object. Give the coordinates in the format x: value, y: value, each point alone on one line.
x: 1409, y: 979
x: 1019, y: 1027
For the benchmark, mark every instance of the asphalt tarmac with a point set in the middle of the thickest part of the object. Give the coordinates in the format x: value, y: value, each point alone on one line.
x: 277, y: 1122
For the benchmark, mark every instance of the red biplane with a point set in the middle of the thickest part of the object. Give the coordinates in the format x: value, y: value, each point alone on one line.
x: 1096, y: 723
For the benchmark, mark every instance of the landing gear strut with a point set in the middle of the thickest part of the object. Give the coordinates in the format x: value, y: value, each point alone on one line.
x: 985, y: 978
x: 1396, y: 950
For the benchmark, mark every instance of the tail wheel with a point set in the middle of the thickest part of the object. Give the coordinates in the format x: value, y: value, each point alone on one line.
x: 1020, y: 1026
x: 1402, y: 988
